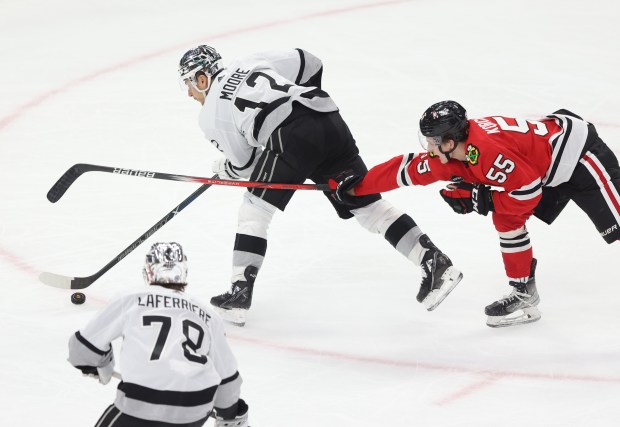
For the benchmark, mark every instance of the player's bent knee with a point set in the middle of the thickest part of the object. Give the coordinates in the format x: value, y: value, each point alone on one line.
x: 378, y: 216
x: 255, y: 216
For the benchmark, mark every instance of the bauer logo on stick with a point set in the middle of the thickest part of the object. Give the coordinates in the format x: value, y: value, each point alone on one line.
x: 145, y: 174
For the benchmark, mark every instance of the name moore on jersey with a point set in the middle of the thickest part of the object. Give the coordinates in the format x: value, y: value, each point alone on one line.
x: 247, y: 104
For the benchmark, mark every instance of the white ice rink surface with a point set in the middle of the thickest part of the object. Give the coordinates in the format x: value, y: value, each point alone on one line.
x: 335, y: 337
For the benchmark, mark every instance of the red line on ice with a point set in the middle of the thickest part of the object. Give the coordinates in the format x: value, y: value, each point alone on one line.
x: 489, y: 373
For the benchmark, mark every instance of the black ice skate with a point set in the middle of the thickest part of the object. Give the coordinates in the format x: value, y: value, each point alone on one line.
x: 234, y: 304
x: 518, y: 307
x: 439, y: 277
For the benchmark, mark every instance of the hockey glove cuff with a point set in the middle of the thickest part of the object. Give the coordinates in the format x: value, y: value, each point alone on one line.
x: 236, y: 415
x: 482, y: 199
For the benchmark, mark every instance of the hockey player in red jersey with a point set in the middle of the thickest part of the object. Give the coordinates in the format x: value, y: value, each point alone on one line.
x: 513, y: 168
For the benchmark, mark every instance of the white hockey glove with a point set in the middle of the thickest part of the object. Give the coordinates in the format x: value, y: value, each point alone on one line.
x: 224, y: 169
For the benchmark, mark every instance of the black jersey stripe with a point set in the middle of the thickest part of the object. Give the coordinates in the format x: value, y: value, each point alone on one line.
x: 247, y: 165
x: 534, y: 189
x: 168, y: 397
x: 404, y: 176
x: 265, y: 111
x: 230, y: 379
x: 90, y: 346
x: 302, y: 65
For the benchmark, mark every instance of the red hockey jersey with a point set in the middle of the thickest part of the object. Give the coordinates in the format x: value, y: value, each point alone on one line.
x: 519, y: 156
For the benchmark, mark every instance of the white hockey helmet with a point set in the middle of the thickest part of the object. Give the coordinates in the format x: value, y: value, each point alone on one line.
x: 165, y: 263
x: 203, y: 59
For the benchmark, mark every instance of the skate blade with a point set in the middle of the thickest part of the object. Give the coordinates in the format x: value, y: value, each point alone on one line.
x: 234, y: 316
x: 450, y: 278
x: 527, y: 315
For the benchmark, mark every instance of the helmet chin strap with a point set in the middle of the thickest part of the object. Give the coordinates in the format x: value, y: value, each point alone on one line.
x: 447, y: 153
x: 209, y: 81
x: 203, y: 91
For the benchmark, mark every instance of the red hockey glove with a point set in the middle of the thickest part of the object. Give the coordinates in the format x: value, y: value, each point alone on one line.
x: 464, y: 198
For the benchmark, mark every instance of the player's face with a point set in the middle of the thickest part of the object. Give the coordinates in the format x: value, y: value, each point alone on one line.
x: 439, y: 150
x: 193, y: 92
x: 432, y: 145
x: 434, y: 149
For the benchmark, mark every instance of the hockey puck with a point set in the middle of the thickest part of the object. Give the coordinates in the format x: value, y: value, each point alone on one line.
x: 78, y: 298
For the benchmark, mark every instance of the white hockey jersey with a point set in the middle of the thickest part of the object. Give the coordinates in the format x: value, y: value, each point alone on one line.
x: 252, y: 97
x: 174, y: 355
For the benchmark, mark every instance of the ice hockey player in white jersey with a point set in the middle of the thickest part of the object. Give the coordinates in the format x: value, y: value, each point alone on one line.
x: 176, y: 364
x: 271, y: 120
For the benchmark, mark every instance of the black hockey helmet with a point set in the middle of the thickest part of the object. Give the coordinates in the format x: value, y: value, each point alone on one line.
x: 445, y: 120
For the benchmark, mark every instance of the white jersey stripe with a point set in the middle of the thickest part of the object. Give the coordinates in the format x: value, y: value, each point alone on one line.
x: 514, y: 241
x: 610, y: 194
x: 402, y: 178
x: 566, y: 149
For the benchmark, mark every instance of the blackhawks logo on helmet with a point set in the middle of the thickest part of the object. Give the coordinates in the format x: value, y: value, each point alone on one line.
x: 472, y: 154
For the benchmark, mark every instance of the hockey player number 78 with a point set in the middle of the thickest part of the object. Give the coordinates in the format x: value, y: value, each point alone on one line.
x: 189, y: 346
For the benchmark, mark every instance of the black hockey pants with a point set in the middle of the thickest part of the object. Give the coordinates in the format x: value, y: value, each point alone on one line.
x: 594, y: 186
x: 113, y: 417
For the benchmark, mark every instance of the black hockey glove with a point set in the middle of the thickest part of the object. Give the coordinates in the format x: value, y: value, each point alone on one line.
x: 344, y: 186
x: 464, y: 198
x: 102, y: 374
x: 88, y: 370
x: 236, y: 415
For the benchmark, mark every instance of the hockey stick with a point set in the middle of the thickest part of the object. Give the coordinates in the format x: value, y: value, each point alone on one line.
x: 66, y: 282
x: 75, y: 171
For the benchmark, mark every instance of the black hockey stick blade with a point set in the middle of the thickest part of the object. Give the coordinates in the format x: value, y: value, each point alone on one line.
x: 64, y: 182
x: 68, y: 178
x: 69, y: 282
